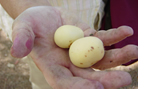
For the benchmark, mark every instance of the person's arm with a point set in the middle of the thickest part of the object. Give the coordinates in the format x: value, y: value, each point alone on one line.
x: 16, y: 7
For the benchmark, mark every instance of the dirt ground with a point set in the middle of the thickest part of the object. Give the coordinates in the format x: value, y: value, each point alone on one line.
x: 14, y: 73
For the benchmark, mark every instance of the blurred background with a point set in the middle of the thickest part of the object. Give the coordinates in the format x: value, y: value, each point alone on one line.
x: 14, y: 73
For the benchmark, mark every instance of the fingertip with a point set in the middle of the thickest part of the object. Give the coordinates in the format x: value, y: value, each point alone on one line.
x: 20, y: 48
x: 116, y: 79
x: 126, y: 79
x: 89, y: 32
x: 131, y: 51
x: 127, y: 30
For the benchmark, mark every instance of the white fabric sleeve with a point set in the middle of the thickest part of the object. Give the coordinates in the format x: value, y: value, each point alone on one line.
x: 89, y: 11
x: 6, y: 22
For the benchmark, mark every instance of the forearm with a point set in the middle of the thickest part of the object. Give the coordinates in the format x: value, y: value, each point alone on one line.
x: 15, y: 7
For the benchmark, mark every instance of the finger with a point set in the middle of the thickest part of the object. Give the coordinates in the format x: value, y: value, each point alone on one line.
x: 109, y: 79
x: 60, y: 77
x: 113, y: 36
x: 117, y: 57
x: 23, y: 40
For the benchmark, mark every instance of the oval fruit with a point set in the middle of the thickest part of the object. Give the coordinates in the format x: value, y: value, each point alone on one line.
x: 66, y: 35
x: 86, y: 51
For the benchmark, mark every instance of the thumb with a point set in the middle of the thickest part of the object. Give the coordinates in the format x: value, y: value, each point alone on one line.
x: 23, y: 40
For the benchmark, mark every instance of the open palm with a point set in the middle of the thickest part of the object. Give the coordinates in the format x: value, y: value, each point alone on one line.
x: 33, y: 32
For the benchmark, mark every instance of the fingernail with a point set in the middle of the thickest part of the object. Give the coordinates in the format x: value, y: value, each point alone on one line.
x: 19, y: 49
x: 29, y: 44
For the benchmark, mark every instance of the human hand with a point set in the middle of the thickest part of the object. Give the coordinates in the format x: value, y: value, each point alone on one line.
x: 33, y: 33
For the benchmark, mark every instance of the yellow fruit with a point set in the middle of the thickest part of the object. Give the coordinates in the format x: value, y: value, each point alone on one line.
x: 66, y: 35
x: 86, y: 51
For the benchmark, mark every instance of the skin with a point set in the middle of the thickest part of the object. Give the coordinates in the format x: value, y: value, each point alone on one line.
x: 33, y: 32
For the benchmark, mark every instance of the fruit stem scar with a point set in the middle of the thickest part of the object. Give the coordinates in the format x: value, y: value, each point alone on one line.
x: 70, y: 41
x: 81, y: 63
x: 92, y: 63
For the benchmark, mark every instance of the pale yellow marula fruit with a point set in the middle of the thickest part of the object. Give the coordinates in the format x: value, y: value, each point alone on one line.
x: 66, y: 35
x: 86, y: 51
